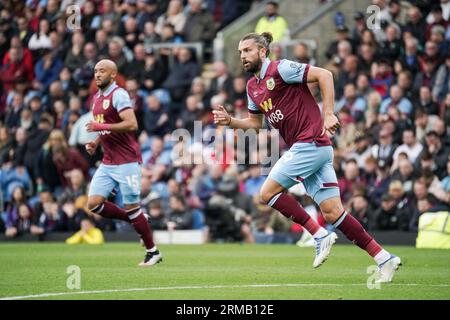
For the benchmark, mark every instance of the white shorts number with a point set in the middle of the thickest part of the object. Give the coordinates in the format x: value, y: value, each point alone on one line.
x: 133, y: 181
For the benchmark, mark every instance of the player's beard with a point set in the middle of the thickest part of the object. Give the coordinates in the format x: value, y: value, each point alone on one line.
x: 254, y: 66
x: 105, y: 83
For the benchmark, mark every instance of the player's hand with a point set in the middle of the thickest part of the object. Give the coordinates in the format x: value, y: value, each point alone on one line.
x: 91, y: 147
x: 90, y: 126
x: 331, y: 123
x: 221, y: 116
x: 93, y: 126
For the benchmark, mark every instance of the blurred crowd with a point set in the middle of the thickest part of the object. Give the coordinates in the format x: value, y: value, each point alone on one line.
x: 392, y: 97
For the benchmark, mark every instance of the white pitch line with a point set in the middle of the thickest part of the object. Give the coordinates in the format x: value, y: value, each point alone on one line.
x: 56, y: 294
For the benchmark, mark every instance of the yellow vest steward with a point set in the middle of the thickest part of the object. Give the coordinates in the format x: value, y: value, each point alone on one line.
x: 277, y: 27
x: 434, y: 230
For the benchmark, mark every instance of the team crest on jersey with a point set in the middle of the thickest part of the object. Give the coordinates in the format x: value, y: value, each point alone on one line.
x: 105, y: 104
x: 270, y: 84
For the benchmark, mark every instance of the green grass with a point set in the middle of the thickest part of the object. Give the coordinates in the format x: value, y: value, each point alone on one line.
x: 31, y: 269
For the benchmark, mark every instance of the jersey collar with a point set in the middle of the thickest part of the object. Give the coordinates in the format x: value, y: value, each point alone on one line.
x: 263, y: 71
x: 108, y: 90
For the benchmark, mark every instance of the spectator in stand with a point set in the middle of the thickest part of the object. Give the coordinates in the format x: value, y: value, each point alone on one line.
x: 115, y: 53
x: 438, y: 152
x: 24, y: 54
x: 385, y: 148
x: 429, y: 203
x: 190, y: 113
x: 302, y: 54
x: 47, y: 70
x: 199, y: 25
x: 75, y: 59
x: 88, y: 234
x: 347, y: 75
x: 359, y: 208
x: 442, y: 81
x: 273, y: 22
x: 149, y: 36
x: 157, y: 216
x: 405, y: 174
x: 391, y: 47
x: 416, y: 24
x: 23, y: 31
x: 40, y: 40
x: 156, y: 161
x: 410, y: 146
x: 361, y: 150
x: 254, y: 181
x: 13, y: 72
x: 174, y: 15
x: 222, y: 79
x: 427, y: 76
x: 179, y: 216
x: 382, y: 77
x: 351, y: 177
x: 341, y: 37
x: 397, y: 100
x: 156, y: 118
x: 18, y: 215
x: 181, y: 75
x: 351, y: 101
x: 426, y: 103
x: 446, y: 180
x: 148, y: 10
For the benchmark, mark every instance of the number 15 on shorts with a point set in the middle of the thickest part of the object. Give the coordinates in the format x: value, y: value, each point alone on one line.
x: 133, y: 182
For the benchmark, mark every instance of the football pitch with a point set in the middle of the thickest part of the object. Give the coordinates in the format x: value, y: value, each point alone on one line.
x: 214, y: 271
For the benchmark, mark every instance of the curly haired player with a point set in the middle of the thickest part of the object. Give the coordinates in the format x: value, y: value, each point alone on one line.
x: 279, y: 92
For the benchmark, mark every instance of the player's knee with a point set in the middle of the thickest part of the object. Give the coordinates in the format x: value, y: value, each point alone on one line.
x: 265, y: 196
x: 93, y: 202
x: 331, y: 209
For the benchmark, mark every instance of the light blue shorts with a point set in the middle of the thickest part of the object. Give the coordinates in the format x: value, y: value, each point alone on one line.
x: 125, y: 176
x: 311, y: 165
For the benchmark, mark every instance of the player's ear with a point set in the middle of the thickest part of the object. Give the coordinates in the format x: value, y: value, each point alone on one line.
x: 263, y: 53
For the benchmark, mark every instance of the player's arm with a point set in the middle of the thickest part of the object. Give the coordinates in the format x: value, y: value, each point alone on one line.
x: 253, y: 121
x: 128, y: 123
x: 294, y: 72
x: 326, y: 84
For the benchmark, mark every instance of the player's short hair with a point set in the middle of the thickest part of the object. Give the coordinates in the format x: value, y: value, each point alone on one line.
x: 263, y: 40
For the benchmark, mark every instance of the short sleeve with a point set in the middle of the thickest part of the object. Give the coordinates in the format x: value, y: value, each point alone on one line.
x: 252, y: 108
x: 121, y: 100
x: 293, y: 72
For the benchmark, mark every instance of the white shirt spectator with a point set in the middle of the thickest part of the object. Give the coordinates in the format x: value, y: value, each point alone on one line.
x: 43, y: 42
x: 412, y: 152
x: 79, y: 135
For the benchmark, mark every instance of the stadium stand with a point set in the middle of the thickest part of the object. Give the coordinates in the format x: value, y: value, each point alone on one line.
x: 392, y: 152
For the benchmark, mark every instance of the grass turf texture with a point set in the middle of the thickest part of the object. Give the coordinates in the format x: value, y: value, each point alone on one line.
x: 31, y: 268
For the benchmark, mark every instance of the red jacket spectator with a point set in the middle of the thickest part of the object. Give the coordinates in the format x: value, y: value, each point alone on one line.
x: 66, y: 160
x: 27, y: 61
x: 15, y: 71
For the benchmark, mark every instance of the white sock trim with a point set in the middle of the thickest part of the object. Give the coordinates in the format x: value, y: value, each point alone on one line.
x: 98, y: 208
x: 339, y: 221
x: 274, y: 199
x: 152, y: 249
x: 135, y: 215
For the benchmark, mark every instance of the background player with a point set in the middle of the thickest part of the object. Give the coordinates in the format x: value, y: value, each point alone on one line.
x: 121, y: 165
x: 279, y: 91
